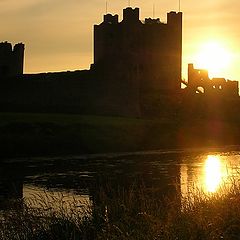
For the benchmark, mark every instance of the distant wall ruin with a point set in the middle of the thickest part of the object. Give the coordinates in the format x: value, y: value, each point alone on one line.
x: 198, y: 80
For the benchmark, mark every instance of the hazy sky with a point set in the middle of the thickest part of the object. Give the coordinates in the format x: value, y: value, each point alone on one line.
x: 58, y: 33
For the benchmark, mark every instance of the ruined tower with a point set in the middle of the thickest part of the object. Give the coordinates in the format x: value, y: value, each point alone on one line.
x: 147, y: 53
x: 11, y: 59
x: 199, y: 81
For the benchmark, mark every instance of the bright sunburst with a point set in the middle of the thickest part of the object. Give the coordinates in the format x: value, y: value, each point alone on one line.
x: 215, y: 57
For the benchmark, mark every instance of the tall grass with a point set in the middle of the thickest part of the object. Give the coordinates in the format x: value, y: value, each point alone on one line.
x: 127, y: 214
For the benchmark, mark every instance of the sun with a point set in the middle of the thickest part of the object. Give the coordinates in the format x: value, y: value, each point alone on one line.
x: 215, y: 57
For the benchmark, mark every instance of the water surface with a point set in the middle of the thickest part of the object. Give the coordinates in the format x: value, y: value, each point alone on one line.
x: 85, y: 177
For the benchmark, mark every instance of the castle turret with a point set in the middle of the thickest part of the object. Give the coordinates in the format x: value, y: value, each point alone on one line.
x: 18, y: 52
x: 174, y: 21
x: 131, y: 15
x: 110, y: 19
x: 11, y: 59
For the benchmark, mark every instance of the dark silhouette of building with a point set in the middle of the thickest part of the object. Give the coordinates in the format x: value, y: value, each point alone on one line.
x: 136, y: 72
x: 11, y: 59
x: 147, y: 53
x: 198, y: 80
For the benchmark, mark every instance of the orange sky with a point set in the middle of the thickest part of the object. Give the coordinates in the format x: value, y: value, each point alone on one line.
x: 58, y: 33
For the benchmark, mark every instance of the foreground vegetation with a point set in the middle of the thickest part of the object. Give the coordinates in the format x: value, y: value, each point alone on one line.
x: 55, y: 134
x: 127, y: 215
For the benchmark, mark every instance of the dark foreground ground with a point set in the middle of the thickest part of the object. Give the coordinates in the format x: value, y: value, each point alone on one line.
x: 127, y: 215
x: 28, y: 134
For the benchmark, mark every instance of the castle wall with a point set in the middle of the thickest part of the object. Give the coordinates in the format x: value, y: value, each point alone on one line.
x: 65, y: 92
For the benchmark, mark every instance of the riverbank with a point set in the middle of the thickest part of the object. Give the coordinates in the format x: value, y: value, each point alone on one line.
x: 127, y: 214
x: 27, y: 134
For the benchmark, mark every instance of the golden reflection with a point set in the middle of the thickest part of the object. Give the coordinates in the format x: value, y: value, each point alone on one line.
x: 215, y: 173
x: 211, y: 174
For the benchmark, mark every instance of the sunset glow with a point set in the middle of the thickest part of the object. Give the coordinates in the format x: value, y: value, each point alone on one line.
x: 58, y: 34
x: 215, y: 57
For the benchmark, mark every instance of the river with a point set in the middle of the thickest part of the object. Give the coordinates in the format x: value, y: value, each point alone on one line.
x: 85, y: 177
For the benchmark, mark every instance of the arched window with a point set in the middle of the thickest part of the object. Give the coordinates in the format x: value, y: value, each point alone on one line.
x: 200, y: 90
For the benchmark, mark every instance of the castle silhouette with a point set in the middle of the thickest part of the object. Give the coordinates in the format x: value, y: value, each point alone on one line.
x: 137, y: 71
x: 11, y: 59
x: 149, y: 53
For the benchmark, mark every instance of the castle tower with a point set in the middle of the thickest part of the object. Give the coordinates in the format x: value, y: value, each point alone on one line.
x: 18, y: 55
x: 174, y: 21
x: 131, y: 15
x: 11, y: 60
x: 147, y: 53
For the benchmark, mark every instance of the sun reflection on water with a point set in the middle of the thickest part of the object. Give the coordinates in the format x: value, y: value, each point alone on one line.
x: 212, y: 174
x: 215, y: 173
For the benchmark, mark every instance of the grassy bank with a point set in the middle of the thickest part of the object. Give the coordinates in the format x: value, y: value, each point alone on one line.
x: 127, y: 215
x: 41, y: 134
x: 55, y: 134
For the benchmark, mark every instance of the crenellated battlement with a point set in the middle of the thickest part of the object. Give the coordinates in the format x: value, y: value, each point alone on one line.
x: 110, y: 19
